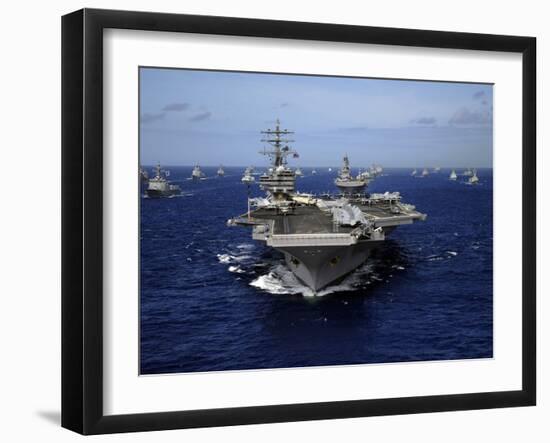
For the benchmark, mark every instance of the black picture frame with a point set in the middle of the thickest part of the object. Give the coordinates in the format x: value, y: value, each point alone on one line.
x: 82, y: 218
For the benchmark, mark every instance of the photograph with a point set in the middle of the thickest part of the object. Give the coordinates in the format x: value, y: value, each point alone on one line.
x: 269, y: 222
x: 290, y: 220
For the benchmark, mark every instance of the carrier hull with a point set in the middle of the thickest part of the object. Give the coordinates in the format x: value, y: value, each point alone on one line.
x: 319, y: 266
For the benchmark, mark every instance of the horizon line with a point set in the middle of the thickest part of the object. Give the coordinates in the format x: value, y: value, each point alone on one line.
x: 315, y: 166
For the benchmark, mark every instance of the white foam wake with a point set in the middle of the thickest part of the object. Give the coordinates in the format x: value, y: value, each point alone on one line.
x: 280, y: 280
x: 439, y: 257
x: 229, y: 258
x: 225, y: 258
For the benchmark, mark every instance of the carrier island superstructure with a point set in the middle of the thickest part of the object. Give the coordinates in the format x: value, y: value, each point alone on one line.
x: 324, y: 237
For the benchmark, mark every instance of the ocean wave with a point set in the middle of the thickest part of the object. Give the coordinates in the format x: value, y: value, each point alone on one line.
x: 230, y: 258
x: 434, y: 257
x: 241, y: 258
x: 443, y: 256
x: 224, y: 258
x: 246, y: 246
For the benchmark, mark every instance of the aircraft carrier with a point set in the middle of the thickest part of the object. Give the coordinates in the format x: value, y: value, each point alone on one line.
x: 323, y: 238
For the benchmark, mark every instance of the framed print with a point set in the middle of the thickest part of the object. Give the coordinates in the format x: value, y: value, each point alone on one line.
x: 269, y: 221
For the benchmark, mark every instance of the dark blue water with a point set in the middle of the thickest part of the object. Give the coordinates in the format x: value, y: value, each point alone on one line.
x: 212, y: 299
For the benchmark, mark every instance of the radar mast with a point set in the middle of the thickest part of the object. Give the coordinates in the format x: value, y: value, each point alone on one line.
x: 280, y: 149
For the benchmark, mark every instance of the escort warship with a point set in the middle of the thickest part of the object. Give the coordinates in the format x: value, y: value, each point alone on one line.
x: 322, y: 238
x: 474, y: 180
x: 247, y: 176
x: 159, y: 186
x: 366, y: 175
x: 197, y: 173
x: 375, y: 170
x: 346, y: 182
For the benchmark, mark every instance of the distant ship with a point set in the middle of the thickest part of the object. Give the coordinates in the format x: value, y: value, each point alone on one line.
x: 414, y: 172
x: 375, y: 170
x: 298, y: 172
x: 437, y: 169
x: 247, y: 176
x: 453, y: 175
x: 159, y: 187
x: 197, y: 174
x: 425, y: 172
x: 323, y: 238
x: 313, y: 172
x: 365, y: 175
x: 329, y: 169
x: 346, y: 182
x: 473, y: 180
x: 221, y: 172
x: 468, y: 173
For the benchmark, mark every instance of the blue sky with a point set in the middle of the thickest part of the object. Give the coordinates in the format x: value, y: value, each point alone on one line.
x: 213, y: 117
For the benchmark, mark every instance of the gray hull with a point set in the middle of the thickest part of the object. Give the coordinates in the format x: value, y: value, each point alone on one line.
x: 351, y: 187
x: 319, y: 266
x: 155, y: 193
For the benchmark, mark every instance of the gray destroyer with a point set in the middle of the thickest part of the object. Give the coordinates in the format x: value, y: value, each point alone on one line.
x: 346, y: 182
x: 324, y: 237
x: 159, y: 186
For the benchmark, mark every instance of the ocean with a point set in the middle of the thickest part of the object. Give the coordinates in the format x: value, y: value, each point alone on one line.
x: 212, y: 299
